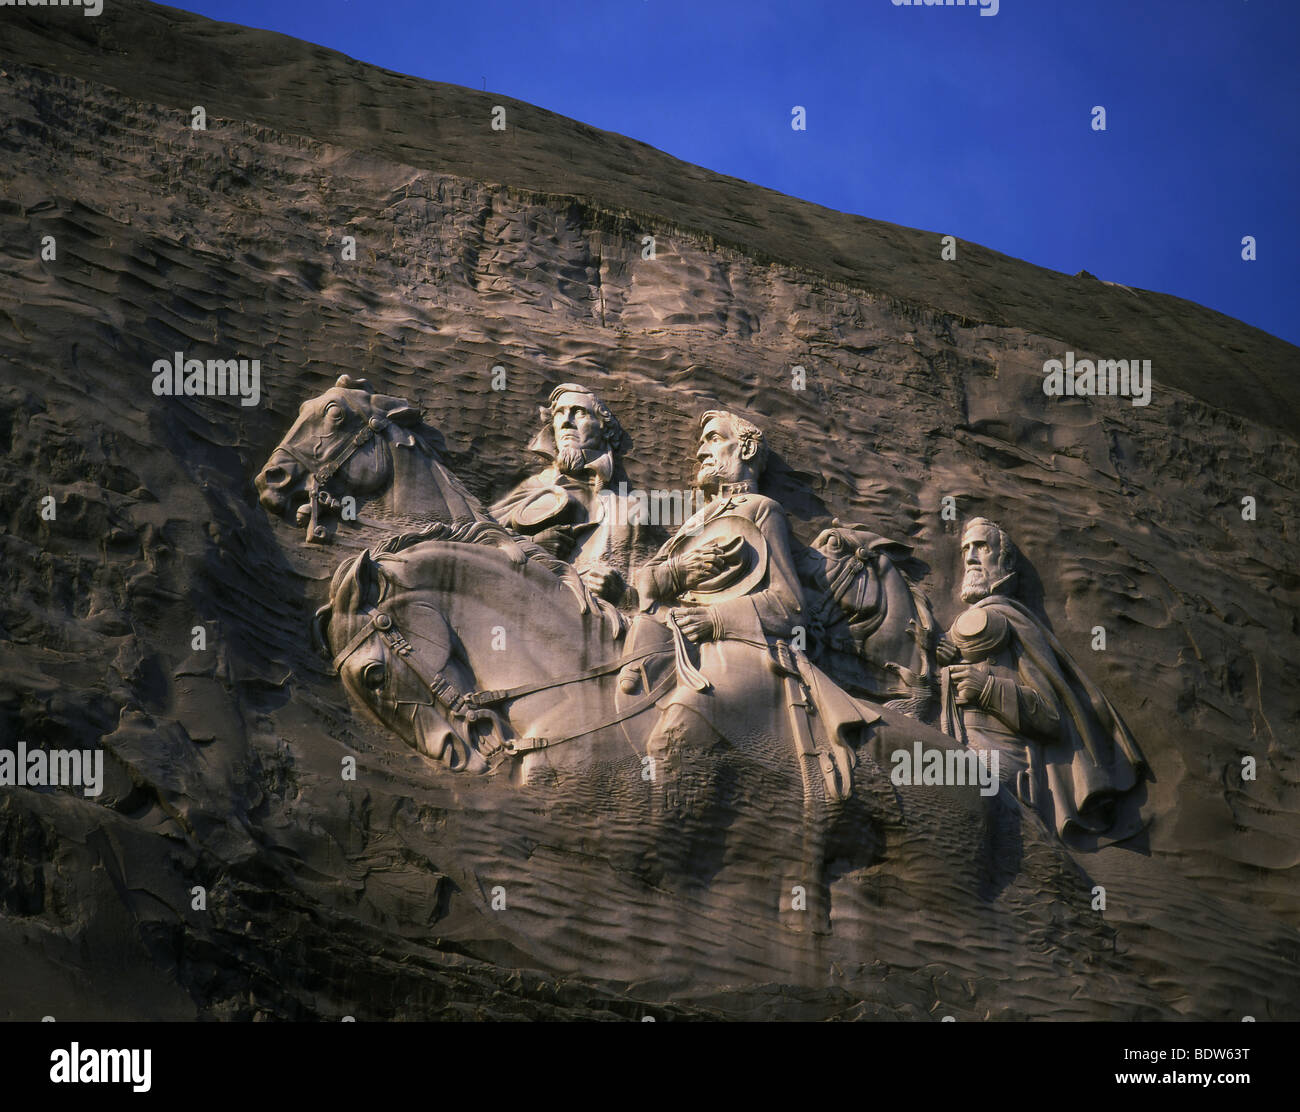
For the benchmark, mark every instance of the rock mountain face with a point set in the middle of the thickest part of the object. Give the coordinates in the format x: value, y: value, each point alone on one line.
x: 522, y: 249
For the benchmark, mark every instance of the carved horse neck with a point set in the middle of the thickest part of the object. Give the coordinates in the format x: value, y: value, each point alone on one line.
x: 516, y: 630
x: 374, y: 448
x: 395, y: 470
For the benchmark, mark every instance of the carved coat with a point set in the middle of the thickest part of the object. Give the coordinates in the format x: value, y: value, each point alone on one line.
x: 608, y: 528
x: 1078, y: 757
x: 753, y: 673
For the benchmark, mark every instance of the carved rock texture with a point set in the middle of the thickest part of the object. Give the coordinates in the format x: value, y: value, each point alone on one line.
x: 523, y: 249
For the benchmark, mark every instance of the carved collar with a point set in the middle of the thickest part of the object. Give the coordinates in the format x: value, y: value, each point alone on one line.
x: 745, y: 486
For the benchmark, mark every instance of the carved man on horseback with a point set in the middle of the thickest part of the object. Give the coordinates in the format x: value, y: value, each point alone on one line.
x: 572, y: 508
x: 727, y: 584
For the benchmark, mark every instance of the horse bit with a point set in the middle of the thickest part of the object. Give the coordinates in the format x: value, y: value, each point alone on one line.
x: 320, y: 475
x: 474, y: 707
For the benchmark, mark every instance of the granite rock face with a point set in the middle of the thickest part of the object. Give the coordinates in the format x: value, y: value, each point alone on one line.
x: 523, y: 249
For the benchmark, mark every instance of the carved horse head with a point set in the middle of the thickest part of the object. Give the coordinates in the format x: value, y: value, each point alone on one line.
x: 872, y: 619
x: 352, y: 442
x: 456, y: 638
x: 393, y: 650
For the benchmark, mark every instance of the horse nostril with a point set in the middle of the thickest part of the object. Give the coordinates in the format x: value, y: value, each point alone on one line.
x: 276, y: 476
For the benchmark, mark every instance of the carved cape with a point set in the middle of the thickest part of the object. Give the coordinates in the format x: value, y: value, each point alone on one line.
x: 1094, y: 762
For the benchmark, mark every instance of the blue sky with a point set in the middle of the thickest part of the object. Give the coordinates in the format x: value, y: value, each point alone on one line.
x: 937, y: 118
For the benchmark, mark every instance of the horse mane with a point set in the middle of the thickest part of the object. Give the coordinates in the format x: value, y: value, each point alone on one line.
x: 437, y: 531
x: 473, y: 532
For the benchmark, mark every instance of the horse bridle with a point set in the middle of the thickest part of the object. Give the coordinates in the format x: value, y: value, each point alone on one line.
x: 473, y: 706
x: 321, y: 473
x: 837, y: 587
x: 443, y: 690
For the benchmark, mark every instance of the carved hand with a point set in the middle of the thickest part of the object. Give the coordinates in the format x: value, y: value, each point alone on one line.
x: 695, y: 623
x: 557, y: 540
x: 702, y: 563
x: 945, y: 652
x: 970, y: 680
x: 604, y: 581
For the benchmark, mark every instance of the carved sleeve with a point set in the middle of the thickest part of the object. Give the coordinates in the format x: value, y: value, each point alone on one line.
x: 658, y: 580
x: 1024, y: 710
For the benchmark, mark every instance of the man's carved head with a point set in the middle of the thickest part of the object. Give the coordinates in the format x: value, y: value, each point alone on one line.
x: 731, y: 450
x: 990, y: 560
x: 578, y: 429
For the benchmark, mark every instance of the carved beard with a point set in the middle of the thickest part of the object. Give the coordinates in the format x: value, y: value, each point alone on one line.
x: 591, y: 466
x: 725, y: 471
x: 975, y: 584
x: 572, y: 461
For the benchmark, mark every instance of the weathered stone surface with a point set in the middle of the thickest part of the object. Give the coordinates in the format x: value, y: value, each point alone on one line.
x: 477, y: 249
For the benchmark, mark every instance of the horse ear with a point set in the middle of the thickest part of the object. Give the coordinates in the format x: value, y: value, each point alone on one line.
x: 367, y: 579
x: 350, y: 383
x: 320, y: 624
x: 357, y: 585
x: 397, y: 410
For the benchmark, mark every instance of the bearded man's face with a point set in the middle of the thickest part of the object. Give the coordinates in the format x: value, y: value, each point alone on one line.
x: 719, y: 455
x: 982, y: 560
x: 577, y: 432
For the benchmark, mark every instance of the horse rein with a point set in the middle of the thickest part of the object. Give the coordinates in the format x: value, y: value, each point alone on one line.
x: 473, y: 706
x: 321, y: 474
x: 845, y: 575
x: 443, y: 690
